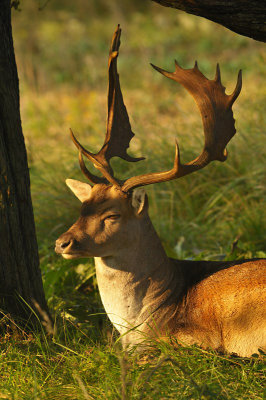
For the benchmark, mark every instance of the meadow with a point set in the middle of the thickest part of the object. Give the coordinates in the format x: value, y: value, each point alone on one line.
x: 62, y: 50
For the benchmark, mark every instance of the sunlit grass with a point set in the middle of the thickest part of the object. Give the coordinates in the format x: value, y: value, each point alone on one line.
x: 75, y: 367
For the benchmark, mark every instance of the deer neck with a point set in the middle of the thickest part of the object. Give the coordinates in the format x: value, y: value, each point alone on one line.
x: 134, y: 282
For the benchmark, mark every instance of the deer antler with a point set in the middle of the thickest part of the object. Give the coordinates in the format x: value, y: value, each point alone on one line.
x: 118, y: 134
x: 216, y: 112
x: 217, y: 117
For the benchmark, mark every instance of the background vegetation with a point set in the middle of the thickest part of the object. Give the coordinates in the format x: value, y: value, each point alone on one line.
x: 62, y: 49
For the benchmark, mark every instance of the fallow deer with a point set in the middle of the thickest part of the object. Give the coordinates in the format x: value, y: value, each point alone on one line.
x: 216, y: 304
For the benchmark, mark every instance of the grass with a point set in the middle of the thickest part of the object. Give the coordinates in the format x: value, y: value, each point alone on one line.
x: 81, y: 369
x: 61, y: 55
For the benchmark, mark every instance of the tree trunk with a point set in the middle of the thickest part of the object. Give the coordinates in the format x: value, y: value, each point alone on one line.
x: 21, y: 290
x: 246, y: 17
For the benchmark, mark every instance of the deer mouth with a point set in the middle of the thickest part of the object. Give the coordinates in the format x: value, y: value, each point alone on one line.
x: 69, y: 256
x: 67, y: 251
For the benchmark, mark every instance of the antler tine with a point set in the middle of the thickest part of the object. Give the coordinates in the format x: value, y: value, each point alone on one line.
x: 118, y: 134
x: 95, y: 160
x: 217, y: 117
x: 236, y: 92
x: 93, y: 178
x: 218, y: 74
x: 148, y: 179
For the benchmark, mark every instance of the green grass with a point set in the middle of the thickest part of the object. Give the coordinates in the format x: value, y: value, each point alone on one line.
x: 82, y: 369
x: 62, y: 54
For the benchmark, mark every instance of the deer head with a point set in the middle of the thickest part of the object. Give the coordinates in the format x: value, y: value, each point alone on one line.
x: 112, y: 210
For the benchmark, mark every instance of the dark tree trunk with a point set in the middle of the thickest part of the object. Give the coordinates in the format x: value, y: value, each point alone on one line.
x: 20, y: 279
x: 246, y: 17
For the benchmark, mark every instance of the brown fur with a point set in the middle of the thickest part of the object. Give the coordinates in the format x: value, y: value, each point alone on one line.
x: 215, y: 304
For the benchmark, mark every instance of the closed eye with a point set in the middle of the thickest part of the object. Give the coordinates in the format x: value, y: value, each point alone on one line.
x: 112, y: 216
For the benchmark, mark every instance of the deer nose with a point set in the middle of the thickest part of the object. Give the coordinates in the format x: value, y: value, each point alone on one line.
x: 63, y: 243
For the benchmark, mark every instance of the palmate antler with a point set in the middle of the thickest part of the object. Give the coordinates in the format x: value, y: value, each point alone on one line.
x: 216, y: 112
x: 217, y: 117
x: 118, y: 133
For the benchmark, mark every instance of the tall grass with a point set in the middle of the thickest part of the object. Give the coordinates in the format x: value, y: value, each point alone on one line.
x: 62, y: 55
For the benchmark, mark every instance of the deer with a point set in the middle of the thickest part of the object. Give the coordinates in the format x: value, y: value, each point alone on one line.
x: 146, y: 294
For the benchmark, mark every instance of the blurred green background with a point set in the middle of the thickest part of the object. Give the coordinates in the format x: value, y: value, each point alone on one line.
x: 61, y: 50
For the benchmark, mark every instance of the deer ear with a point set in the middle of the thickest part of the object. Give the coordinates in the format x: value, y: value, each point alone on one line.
x: 139, y: 201
x: 80, y: 189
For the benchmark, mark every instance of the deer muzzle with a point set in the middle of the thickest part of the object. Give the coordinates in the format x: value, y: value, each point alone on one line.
x: 64, y: 243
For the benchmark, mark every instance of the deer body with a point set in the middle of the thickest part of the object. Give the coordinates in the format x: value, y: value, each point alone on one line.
x: 146, y: 294
x: 222, y: 312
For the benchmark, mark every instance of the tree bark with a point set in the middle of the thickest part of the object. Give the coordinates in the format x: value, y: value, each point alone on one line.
x: 21, y: 290
x: 246, y: 17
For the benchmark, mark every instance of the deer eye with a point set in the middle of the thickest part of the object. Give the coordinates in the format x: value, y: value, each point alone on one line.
x: 112, y: 217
